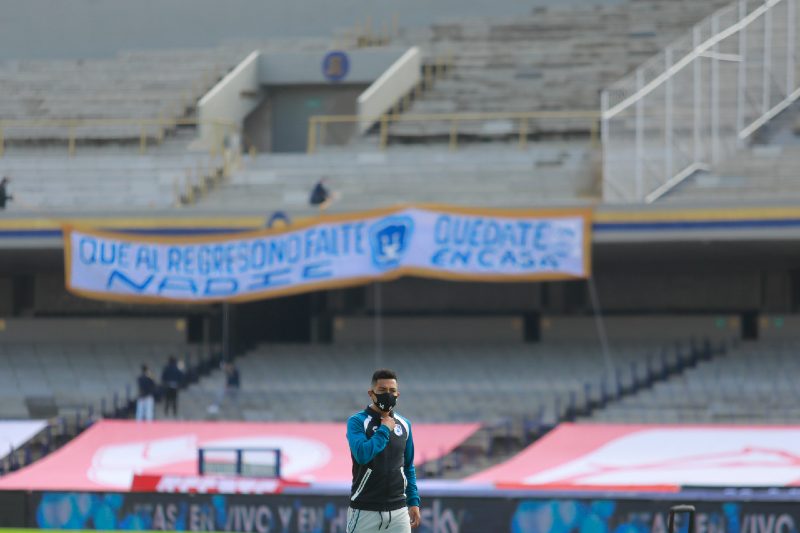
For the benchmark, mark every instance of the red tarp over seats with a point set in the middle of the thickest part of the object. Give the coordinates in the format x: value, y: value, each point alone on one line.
x: 653, y: 457
x: 106, y: 456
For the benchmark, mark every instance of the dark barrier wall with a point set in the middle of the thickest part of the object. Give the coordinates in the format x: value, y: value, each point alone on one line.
x: 13, y: 512
x: 318, y: 514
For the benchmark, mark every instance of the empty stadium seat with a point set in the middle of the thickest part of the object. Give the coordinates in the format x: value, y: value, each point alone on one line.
x: 493, y: 176
x: 80, y: 363
x: 103, y: 178
x: 764, y: 172
x: 556, y: 58
x: 752, y: 384
x: 76, y: 377
x: 145, y: 85
x: 452, y: 382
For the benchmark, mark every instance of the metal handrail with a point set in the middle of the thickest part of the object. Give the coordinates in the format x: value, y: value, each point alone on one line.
x: 223, y: 160
x: 454, y: 119
x: 221, y: 127
x: 702, y: 118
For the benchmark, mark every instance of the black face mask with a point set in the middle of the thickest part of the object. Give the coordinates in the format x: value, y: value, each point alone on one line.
x: 385, y: 401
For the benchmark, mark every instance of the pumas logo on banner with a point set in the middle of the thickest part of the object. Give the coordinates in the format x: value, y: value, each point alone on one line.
x: 389, y: 240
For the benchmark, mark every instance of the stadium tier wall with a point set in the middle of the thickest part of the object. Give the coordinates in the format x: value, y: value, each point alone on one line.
x: 739, y: 287
x: 67, y: 330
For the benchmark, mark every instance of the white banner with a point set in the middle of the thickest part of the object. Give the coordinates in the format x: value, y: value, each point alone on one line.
x: 15, y: 433
x: 330, y: 252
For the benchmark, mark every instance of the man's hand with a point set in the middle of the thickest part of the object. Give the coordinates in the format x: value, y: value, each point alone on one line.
x: 413, y: 514
x: 389, y: 422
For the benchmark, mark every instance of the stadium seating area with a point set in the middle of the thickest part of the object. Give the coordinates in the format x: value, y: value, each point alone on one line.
x: 155, y: 84
x: 38, y: 99
x: 68, y: 378
x: 754, y: 383
x: 61, y: 366
x: 483, y: 379
x: 141, y: 85
x: 453, y: 382
x: 764, y: 172
x: 553, y: 59
x: 642, y: 347
x: 497, y: 176
x: 105, y: 179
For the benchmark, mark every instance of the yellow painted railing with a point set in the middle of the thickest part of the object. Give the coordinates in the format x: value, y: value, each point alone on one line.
x: 223, y: 156
x: 363, y: 35
x: 319, y: 124
x: 152, y: 130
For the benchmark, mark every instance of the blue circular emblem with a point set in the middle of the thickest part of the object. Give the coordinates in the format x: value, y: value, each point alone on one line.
x: 279, y: 216
x: 335, y: 65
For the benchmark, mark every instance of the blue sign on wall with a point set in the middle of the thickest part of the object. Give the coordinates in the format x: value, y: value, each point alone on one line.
x: 335, y: 65
x: 138, y: 511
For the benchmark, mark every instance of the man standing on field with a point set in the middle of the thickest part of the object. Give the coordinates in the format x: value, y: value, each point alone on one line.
x: 384, y: 492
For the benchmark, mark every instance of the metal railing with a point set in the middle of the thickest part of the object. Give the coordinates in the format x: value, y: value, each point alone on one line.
x: 147, y: 132
x: 519, y: 126
x: 699, y: 100
x: 364, y: 35
x: 224, y: 152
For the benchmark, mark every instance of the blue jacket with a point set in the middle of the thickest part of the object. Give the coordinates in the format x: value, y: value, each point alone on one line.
x: 384, y: 478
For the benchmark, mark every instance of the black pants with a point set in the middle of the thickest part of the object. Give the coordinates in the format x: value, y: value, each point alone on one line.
x: 171, y: 399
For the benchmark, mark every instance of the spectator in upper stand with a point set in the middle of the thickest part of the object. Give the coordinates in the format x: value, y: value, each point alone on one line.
x: 171, y: 380
x: 232, y: 381
x: 232, y: 385
x: 145, y: 403
x: 320, y: 193
x: 321, y: 196
x: 4, y: 196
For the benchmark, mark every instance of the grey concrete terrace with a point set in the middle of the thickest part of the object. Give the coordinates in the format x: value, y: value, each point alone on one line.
x: 552, y: 59
x: 495, y: 175
x: 753, y: 384
x: 74, y: 376
x: 101, y: 178
x: 161, y: 84
x: 522, y: 380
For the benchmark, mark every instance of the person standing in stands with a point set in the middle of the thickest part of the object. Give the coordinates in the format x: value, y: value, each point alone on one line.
x: 321, y: 196
x: 171, y: 380
x: 232, y: 382
x: 4, y: 196
x: 231, y: 387
x: 383, y: 496
x: 145, y: 403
